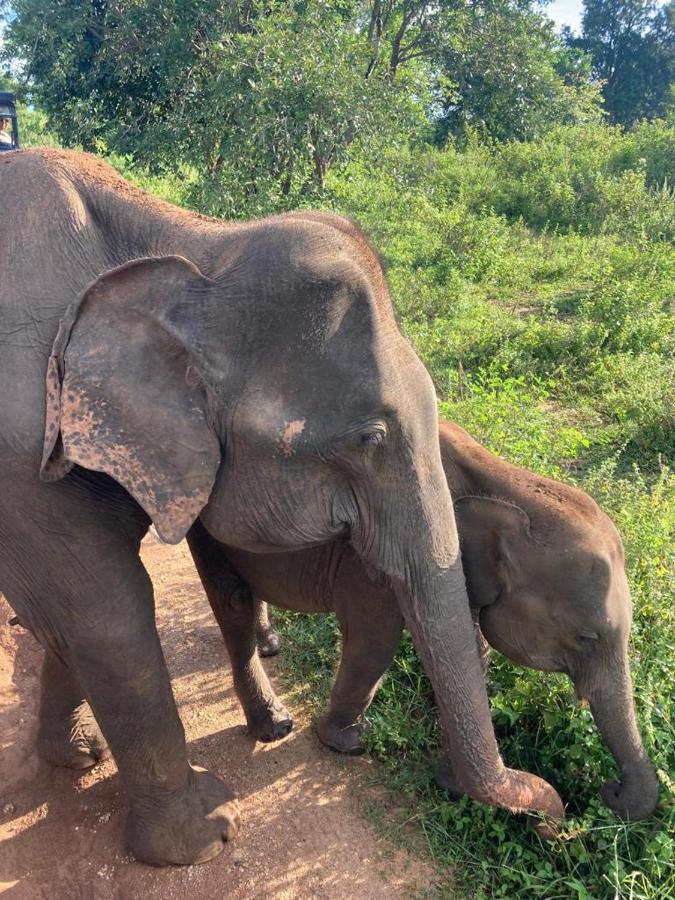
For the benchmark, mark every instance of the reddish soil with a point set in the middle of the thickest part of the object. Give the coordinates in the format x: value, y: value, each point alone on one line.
x: 304, y: 834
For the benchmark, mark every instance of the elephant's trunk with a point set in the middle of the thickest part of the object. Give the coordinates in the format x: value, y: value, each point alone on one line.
x: 427, y: 576
x: 611, y: 698
x: 439, y: 621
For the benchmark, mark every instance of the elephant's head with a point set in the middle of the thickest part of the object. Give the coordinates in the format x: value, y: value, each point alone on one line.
x: 553, y: 595
x: 280, y: 403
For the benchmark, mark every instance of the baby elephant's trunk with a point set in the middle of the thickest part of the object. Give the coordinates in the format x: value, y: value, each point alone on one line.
x: 635, y: 795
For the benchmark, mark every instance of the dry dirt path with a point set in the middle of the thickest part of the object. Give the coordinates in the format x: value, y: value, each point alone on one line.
x: 304, y: 834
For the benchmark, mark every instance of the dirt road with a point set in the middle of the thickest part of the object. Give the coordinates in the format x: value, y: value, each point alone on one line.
x: 304, y: 834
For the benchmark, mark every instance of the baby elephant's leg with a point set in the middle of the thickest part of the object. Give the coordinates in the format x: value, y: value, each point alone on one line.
x: 235, y: 611
x: 267, y: 638
x: 371, y: 630
x: 444, y: 774
x: 68, y: 733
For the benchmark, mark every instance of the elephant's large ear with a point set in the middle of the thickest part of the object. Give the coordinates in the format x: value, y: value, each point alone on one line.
x: 491, y: 533
x: 122, y: 397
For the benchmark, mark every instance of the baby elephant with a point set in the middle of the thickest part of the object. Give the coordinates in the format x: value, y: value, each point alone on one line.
x: 546, y: 580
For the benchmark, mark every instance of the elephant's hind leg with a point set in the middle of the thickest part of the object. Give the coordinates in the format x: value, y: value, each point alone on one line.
x: 68, y: 733
x: 236, y: 613
x: 371, y: 628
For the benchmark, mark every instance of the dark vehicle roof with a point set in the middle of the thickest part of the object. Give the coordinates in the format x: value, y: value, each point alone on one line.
x: 7, y: 104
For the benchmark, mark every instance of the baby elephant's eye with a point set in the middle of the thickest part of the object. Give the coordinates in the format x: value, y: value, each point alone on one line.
x: 373, y: 437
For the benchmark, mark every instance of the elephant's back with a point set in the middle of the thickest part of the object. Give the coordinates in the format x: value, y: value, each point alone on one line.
x: 47, y: 249
x: 50, y: 243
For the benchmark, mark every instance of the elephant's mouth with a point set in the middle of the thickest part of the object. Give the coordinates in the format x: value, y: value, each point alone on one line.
x: 511, y: 641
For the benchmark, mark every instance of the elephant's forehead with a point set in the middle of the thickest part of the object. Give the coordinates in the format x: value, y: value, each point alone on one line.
x: 287, y: 435
x: 594, y: 584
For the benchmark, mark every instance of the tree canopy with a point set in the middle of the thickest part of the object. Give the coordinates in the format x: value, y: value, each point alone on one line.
x: 263, y: 97
x: 632, y: 47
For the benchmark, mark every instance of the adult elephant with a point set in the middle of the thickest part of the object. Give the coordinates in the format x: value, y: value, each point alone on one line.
x: 546, y: 581
x: 249, y: 378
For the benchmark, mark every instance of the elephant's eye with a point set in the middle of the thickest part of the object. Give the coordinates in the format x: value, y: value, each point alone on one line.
x: 372, y: 437
x: 588, y: 635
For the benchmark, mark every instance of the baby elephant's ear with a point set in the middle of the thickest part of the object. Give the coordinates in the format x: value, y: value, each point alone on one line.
x: 122, y: 396
x: 492, y: 536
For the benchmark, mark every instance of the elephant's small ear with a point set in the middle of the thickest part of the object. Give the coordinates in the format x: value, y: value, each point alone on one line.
x: 121, y: 398
x: 491, y: 533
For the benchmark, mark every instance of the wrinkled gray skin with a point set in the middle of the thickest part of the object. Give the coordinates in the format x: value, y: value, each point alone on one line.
x: 241, y: 383
x: 546, y: 580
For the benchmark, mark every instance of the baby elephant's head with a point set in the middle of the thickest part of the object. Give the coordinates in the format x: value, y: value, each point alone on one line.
x: 552, y: 591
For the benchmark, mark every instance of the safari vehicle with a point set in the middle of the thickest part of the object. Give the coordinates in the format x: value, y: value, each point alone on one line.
x: 9, y: 140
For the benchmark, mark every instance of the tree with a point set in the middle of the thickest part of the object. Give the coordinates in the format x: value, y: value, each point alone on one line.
x: 262, y: 97
x: 632, y: 45
x: 401, y: 31
x: 507, y: 75
x: 275, y: 108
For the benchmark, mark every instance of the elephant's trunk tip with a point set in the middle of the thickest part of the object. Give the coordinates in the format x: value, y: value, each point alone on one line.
x: 635, y: 797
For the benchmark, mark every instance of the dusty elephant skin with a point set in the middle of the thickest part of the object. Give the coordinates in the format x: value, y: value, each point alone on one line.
x: 247, y: 384
x: 545, y: 577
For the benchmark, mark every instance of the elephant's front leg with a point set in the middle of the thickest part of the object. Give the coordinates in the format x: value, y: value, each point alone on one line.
x: 68, y: 733
x: 98, y: 616
x: 237, y: 614
x: 371, y: 626
x: 178, y: 814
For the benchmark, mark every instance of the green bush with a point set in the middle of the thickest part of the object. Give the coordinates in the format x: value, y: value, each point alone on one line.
x: 586, y: 178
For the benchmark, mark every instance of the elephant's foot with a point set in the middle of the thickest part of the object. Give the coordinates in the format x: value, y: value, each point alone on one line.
x: 446, y: 780
x: 632, y: 799
x: 270, y: 721
x: 182, y: 827
x: 268, y: 641
x: 74, y: 741
x: 343, y: 739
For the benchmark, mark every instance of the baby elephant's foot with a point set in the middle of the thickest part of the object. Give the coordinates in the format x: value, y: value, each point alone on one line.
x: 343, y: 739
x: 270, y: 721
x: 74, y: 740
x: 182, y: 827
x: 268, y: 641
x: 446, y: 780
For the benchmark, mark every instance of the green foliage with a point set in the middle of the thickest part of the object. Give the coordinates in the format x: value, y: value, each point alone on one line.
x: 259, y: 98
x: 591, y: 179
x: 262, y: 98
x: 7, y: 82
x: 632, y: 47
x: 33, y: 129
x: 295, y: 104
x: 506, y: 74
